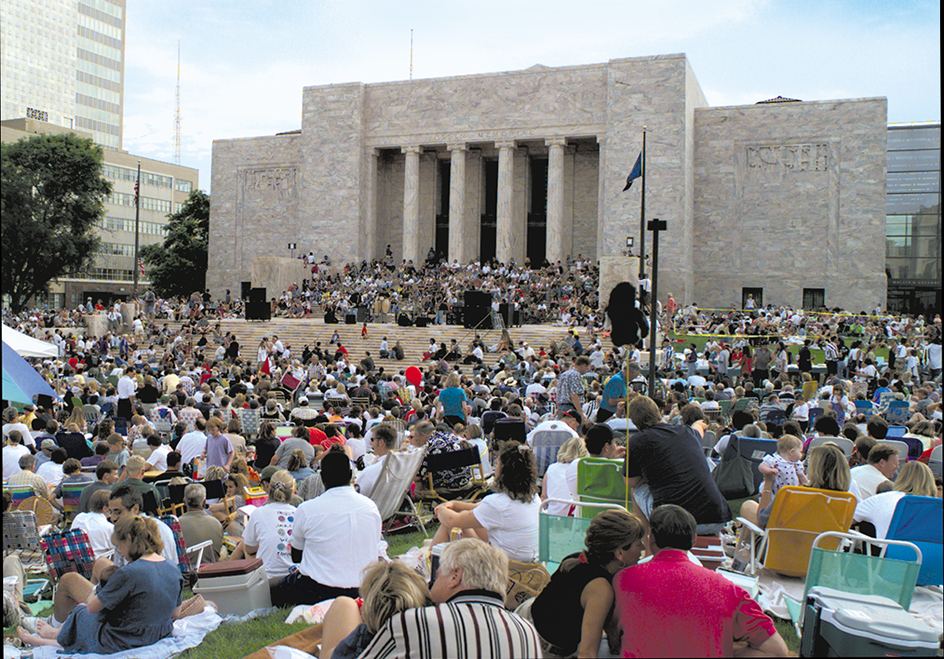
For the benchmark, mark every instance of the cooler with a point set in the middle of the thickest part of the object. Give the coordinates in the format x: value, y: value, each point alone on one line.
x: 236, y: 587
x: 838, y: 624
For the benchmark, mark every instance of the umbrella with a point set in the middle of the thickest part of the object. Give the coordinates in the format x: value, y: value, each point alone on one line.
x: 21, y: 381
x: 26, y: 346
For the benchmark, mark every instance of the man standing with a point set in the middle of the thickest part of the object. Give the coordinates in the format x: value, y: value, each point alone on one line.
x: 335, y: 536
x: 570, y: 389
x: 670, y: 607
x: 126, y: 390
x: 219, y: 450
x: 468, y: 617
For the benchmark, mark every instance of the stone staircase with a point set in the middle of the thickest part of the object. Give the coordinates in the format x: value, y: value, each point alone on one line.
x: 297, y: 333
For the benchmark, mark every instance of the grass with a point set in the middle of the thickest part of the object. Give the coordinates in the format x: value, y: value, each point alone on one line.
x: 701, y: 341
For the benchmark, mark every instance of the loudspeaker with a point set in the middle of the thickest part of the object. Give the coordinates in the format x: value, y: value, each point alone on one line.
x: 350, y: 319
x: 330, y: 318
x: 478, y: 310
x: 257, y: 310
x: 244, y: 288
x: 257, y: 295
x: 404, y: 321
x: 361, y: 313
x: 421, y: 321
x: 453, y: 318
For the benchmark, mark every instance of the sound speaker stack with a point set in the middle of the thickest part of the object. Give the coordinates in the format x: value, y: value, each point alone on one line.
x: 421, y: 321
x: 478, y: 310
x: 350, y: 319
x: 257, y: 295
x: 258, y: 310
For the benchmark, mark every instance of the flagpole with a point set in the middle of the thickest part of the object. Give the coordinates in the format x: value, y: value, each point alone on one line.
x: 642, y: 213
x: 137, y: 217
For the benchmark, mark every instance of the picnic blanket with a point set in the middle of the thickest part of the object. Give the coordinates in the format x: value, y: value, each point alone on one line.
x: 188, y: 633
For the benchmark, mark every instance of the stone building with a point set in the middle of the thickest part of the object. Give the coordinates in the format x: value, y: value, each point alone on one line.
x: 785, y: 200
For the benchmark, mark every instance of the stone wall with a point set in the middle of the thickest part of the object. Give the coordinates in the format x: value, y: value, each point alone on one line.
x: 791, y: 196
x: 586, y: 162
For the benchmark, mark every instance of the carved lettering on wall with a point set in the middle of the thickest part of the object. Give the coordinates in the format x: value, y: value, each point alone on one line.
x: 273, y: 182
x: 788, y: 158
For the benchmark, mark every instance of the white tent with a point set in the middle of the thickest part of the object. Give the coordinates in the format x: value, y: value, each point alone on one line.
x: 27, y: 346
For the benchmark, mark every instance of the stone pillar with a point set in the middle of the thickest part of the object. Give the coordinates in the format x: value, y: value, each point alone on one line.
x: 372, y: 248
x: 505, y: 229
x: 411, y: 205
x: 556, y: 249
x: 459, y: 233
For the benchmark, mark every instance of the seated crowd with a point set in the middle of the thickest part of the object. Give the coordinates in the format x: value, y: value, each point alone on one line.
x: 211, y: 425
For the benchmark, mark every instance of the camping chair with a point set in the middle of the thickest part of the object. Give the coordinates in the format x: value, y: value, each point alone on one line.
x: 713, y: 415
x: 725, y: 409
x: 775, y: 418
x: 919, y: 520
x: 508, y: 429
x: 249, y: 422
x: 915, y: 445
x: 845, y: 444
x: 92, y: 413
x: 393, y: 484
x: 897, y: 412
x: 121, y: 426
x: 20, y: 494
x: 546, y: 444
x: 600, y: 480
x: 186, y: 565
x: 864, y: 407
x: 70, y: 497
x: 560, y: 536
x: 900, y: 446
x: 21, y: 535
x: 68, y: 551
x: 799, y: 514
x: 934, y: 462
x: 815, y: 412
x: 449, y: 461
x: 174, y: 500
x: 896, y: 432
x: 754, y: 449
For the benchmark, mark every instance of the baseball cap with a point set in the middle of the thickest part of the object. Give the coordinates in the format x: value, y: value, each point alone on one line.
x: 268, y: 472
x: 49, y: 444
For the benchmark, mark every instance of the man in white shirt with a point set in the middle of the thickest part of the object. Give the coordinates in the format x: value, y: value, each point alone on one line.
x: 126, y: 499
x: 383, y: 439
x: 126, y: 391
x: 157, y: 461
x: 51, y: 471
x: 12, y: 454
x: 193, y: 443
x: 335, y: 536
x: 95, y: 523
x: 882, y: 466
x: 13, y: 421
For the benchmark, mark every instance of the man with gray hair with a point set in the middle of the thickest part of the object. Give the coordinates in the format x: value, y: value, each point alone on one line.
x: 198, y: 525
x: 468, y: 590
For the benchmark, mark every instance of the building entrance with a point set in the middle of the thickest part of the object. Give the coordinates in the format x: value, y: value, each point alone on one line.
x: 489, y: 227
x: 537, y: 218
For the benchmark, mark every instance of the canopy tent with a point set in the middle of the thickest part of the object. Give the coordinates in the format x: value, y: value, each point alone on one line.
x: 26, y: 346
x: 20, y: 380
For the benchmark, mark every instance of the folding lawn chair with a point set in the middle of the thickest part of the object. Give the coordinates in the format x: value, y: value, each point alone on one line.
x: 449, y: 461
x: 920, y: 520
x: 186, y: 565
x: 845, y: 444
x: 393, y: 484
x: 547, y: 443
x: 21, y: 535
x: 897, y: 412
x: 560, y: 536
x: 20, y: 494
x: 68, y: 551
x: 70, y: 497
x: 600, y: 480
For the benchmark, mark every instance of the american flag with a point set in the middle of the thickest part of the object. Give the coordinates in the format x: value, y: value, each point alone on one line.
x: 136, y: 184
x: 141, y: 266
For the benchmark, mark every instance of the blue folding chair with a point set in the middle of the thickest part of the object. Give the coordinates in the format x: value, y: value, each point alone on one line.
x: 897, y: 412
x: 864, y: 407
x: 754, y: 450
x: 920, y: 520
x: 894, y: 432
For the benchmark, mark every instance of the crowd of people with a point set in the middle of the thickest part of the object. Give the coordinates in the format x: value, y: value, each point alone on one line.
x: 159, y: 406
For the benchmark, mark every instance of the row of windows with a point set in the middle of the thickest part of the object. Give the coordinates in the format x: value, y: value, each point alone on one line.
x: 107, y: 9
x: 106, y: 274
x: 119, y: 173
x: 184, y: 186
x: 101, y: 93
x: 89, y: 56
x: 98, y: 104
x: 89, y: 32
x: 899, y: 182
x: 913, y: 225
x: 120, y: 224
x: 99, y: 71
x: 147, y: 203
x: 113, y: 21
x: 926, y: 160
x: 908, y: 138
x: 912, y: 203
x: 100, y: 49
x: 102, y: 23
x: 913, y: 268
x: 97, y: 126
x: 116, y: 249
x: 97, y: 81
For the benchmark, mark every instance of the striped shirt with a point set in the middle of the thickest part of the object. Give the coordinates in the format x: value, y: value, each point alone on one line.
x: 471, y: 625
x: 832, y: 352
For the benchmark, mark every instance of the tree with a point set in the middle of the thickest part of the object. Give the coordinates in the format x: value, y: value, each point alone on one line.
x: 178, y: 267
x: 51, y: 195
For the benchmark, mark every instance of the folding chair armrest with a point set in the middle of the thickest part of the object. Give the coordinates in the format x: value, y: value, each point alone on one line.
x: 199, y: 547
x: 107, y: 553
x: 753, y: 528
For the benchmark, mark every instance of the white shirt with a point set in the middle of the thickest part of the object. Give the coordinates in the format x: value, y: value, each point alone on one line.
x: 339, y: 535
x: 51, y: 473
x: 158, y: 458
x: 367, y: 479
x: 867, y: 478
x: 191, y: 445
x: 512, y: 526
x: 561, y: 484
x: 270, y: 529
x: 125, y: 387
x: 24, y: 431
x: 170, y: 546
x: 550, y: 424
x: 11, y: 459
x: 98, y: 529
x: 879, y: 510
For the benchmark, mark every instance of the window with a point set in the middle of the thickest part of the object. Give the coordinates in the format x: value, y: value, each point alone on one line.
x: 756, y: 295
x: 183, y: 186
x: 814, y: 299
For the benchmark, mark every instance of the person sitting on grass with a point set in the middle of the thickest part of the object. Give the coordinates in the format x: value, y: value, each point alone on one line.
x: 387, y: 589
x: 270, y: 527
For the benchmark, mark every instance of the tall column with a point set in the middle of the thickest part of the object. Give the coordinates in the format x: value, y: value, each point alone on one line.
x: 372, y: 239
x: 506, y: 237
x: 458, y: 226
x: 411, y: 205
x: 556, y: 250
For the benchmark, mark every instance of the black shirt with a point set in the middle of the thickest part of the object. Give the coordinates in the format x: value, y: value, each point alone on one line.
x: 557, y: 613
x: 672, y: 461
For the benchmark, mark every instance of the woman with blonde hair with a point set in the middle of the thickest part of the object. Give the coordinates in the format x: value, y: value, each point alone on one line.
x: 269, y: 529
x: 133, y: 609
x: 914, y: 478
x: 78, y: 418
x: 387, y: 589
x: 560, y: 479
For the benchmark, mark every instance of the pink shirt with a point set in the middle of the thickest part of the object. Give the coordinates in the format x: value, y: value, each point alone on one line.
x: 670, y: 607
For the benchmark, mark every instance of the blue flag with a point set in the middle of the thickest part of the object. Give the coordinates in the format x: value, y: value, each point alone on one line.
x: 633, y: 175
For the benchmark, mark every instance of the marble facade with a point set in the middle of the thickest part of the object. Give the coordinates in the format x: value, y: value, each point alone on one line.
x: 395, y: 163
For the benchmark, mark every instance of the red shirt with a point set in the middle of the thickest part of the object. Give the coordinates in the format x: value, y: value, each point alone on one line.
x: 670, y: 607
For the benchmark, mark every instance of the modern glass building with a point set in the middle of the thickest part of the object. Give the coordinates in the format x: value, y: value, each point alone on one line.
x: 913, y: 218
x: 63, y: 62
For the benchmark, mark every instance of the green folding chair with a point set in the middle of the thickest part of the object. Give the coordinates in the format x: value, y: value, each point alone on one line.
x: 601, y: 480
x: 560, y: 536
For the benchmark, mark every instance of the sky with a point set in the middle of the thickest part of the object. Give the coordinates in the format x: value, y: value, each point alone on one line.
x: 244, y: 63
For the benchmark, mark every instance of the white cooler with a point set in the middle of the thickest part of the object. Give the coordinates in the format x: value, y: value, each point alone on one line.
x: 236, y: 587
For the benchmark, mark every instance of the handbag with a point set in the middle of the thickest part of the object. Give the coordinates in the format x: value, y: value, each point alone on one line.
x: 733, y: 475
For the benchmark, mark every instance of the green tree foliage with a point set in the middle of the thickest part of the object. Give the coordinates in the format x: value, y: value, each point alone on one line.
x: 51, y: 195
x: 178, y: 267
